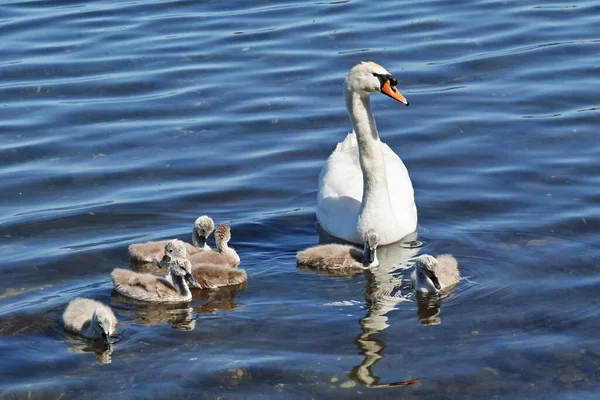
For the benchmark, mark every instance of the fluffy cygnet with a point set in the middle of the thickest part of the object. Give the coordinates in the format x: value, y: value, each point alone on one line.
x: 90, y: 318
x: 224, y: 256
x: 147, y: 287
x: 203, y: 227
x: 433, y: 275
x: 341, y: 256
x: 153, y: 251
x: 214, y: 276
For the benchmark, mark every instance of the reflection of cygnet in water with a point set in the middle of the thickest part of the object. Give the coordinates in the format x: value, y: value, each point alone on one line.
x: 152, y: 252
x: 341, y: 256
x: 103, y: 353
x: 179, y: 315
x: 90, y: 318
x: 433, y: 275
x: 428, y: 308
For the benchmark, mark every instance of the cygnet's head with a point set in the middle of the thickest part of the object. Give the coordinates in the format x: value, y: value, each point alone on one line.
x: 203, y: 227
x: 174, y: 249
x: 425, y: 272
x: 369, y: 77
x: 176, y: 257
x: 370, y: 249
x: 103, y: 322
x: 222, y: 235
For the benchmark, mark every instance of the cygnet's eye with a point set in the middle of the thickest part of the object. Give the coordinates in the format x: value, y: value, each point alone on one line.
x: 170, y: 250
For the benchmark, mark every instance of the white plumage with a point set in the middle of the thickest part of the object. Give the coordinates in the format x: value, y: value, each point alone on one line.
x: 364, y: 184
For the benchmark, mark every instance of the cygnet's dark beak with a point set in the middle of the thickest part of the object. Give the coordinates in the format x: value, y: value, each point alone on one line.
x: 200, y: 239
x: 371, y: 255
x: 164, y: 261
x: 106, y: 338
x: 435, y: 281
x: 190, y: 278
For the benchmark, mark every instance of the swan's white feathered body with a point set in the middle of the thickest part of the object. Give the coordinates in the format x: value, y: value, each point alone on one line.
x: 364, y: 184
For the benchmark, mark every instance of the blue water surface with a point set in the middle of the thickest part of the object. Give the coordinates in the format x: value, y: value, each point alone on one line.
x: 123, y: 121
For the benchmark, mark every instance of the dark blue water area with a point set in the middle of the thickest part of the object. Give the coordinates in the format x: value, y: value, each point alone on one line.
x: 123, y: 122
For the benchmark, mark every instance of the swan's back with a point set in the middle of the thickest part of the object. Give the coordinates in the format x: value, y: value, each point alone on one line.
x: 330, y: 256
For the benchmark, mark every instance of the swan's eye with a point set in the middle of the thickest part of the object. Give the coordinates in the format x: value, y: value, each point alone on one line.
x: 170, y: 250
x: 385, y: 78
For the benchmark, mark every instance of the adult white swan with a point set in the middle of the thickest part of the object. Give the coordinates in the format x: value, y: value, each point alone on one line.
x: 364, y: 184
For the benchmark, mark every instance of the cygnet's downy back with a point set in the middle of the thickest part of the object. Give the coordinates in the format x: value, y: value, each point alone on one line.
x: 341, y: 256
x: 152, y: 252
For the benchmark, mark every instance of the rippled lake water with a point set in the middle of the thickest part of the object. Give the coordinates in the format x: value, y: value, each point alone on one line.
x: 122, y: 121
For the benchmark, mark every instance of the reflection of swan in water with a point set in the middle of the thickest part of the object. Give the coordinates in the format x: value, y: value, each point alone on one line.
x: 382, y: 294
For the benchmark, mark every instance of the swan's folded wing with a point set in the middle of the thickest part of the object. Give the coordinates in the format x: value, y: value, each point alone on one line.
x: 340, y: 189
x: 399, y: 185
x: 341, y: 175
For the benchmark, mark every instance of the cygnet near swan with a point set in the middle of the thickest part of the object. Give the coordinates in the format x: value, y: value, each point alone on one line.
x: 364, y: 184
x: 341, y: 256
x: 90, y: 318
x: 147, y: 287
x: 433, y: 275
x: 224, y: 256
x: 153, y: 251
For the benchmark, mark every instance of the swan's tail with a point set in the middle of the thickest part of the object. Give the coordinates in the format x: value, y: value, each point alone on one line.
x: 347, y: 144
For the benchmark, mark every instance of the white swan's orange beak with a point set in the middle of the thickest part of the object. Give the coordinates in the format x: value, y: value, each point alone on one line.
x: 391, y: 91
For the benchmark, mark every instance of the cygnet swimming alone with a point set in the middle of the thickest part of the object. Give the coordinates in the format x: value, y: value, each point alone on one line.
x: 153, y: 251
x: 224, y: 256
x: 433, y: 275
x: 147, y: 287
x: 90, y: 318
x: 341, y: 256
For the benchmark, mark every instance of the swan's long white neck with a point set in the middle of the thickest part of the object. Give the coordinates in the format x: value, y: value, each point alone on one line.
x: 376, y: 197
